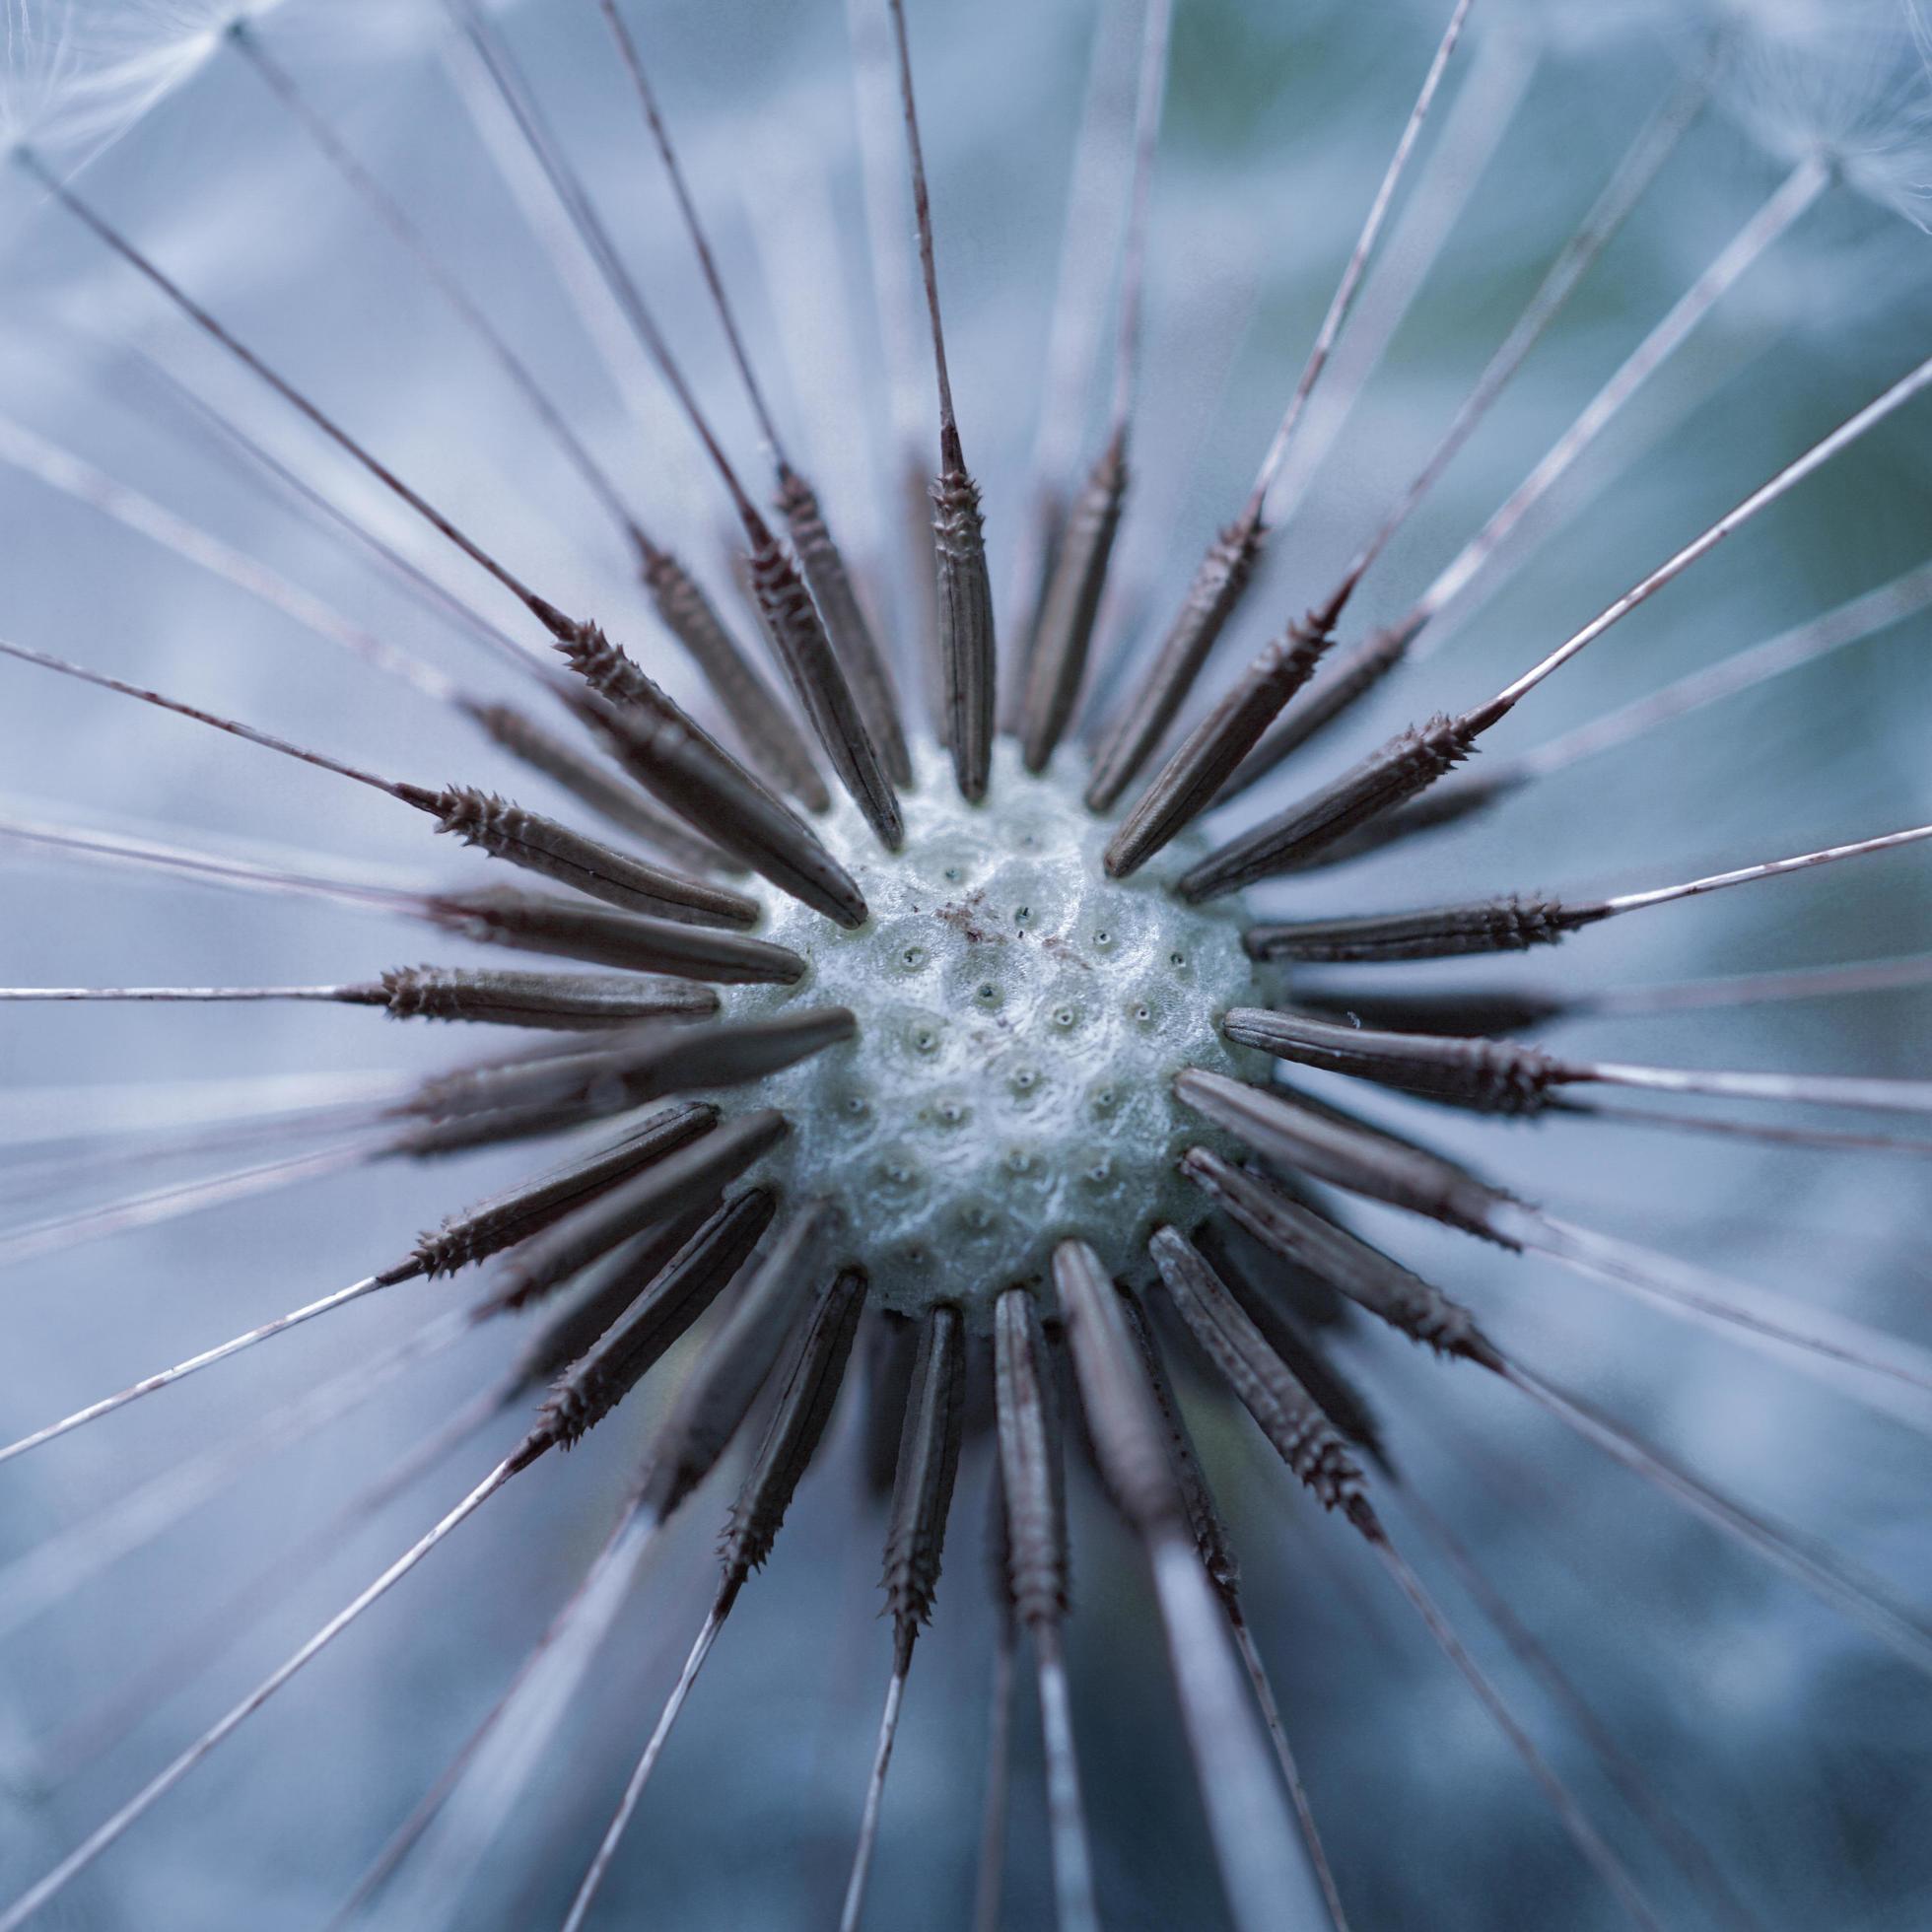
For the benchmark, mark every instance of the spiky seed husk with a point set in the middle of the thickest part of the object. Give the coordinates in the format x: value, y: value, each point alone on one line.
x: 535, y: 922
x: 1122, y: 1421
x: 1210, y: 1536
x: 1348, y: 679
x: 1287, y: 1414
x: 1350, y: 1155
x: 1439, y: 808
x: 1194, y: 776
x: 710, y: 1406
x: 557, y: 1001
x: 769, y: 735
x: 1218, y: 583
x: 1365, y: 1274
x: 539, y: 844
x: 1035, y: 1511
x: 832, y: 590
x: 922, y: 1486
x: 709, y: 791
x: 507, y: 1219
x: 808, y: 1391
x: 1508, y: 925
x: 1408, y: 763
x: 602, y: 1293
x: 544, y: 1264
x: 1496, y: 1076
x: 967, y: 644
x: 798, y: 637
x: 607, y: 794
x: 1069, y: 605
x: 1462, y: 1012
x: 592, y: 1386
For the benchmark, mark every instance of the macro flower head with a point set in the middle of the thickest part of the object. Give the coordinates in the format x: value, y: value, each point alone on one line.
x: 1155, y: 1140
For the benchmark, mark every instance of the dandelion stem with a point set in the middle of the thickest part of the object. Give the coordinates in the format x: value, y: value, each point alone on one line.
x: 705, y: 1416
x: 1770, y: 868
x: 1623, y: 1770
x: 1474, y: 128
x: 108, y: 1833
x: 59, y: 469
x: 356, y: 996
x: 804, y: 1406
x: 1749, y: 989
x: 1329, y: 1146
x: 853, y: 1909
x: 1822, y: 1138
x: 1805, y: 644
x: 1822, y: 1090
x: 1581, y: 1832
x: 1820, y: 1335
x: 207, y: 1359
x: 894, y: 277
x: 1411, y: 1306
x: 157, y: 1205
x: 792, y: 622
x: 514, y: 90
x: 213, y: 1633
x: 566, y: 630
x: 427, y: 591
x: 1787, y: 479
x: 873, y: 702
x: 586, y: 1892
x: 473, y: 315
x: 182, y: 708
x: 1278, y: 1736
x: 119, y: 244
x: 56, y: 1568
x: 1653, y: 146
x: 1515, y: 924
x: 1032, y: 1487
x: 1508, y: 1076
x: 1462, y: 798
x: 1351, y: 275
x: 989, y: 1871
x: 1791, y: 199
x: 1827, y: 1579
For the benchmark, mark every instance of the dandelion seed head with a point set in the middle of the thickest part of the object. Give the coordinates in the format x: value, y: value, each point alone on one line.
x: 1022, y: 1021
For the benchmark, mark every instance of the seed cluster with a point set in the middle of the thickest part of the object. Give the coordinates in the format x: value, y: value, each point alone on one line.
x: 1021, y: 1019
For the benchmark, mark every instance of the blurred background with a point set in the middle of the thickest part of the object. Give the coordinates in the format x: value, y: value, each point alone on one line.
x: 1793, y: 1747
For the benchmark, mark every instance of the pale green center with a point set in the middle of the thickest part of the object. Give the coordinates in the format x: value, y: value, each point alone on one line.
x: 1021, y: 1019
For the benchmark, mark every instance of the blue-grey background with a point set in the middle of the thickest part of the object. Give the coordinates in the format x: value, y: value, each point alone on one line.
x: 1795, y: 1749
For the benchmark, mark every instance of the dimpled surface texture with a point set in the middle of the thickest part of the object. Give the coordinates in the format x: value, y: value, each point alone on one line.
x: 1021, y: 1019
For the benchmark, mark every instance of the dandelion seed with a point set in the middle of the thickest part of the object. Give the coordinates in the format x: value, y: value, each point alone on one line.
x: 967, y: 652
x: 1083, y: 537
x: 792, y: 622
x: 1506, y: 1076
x: 818, y: 553
x: 1415, y: 1308
x: 1223, y: 574
x: 1415, y: 759
x: 1515, y: 924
